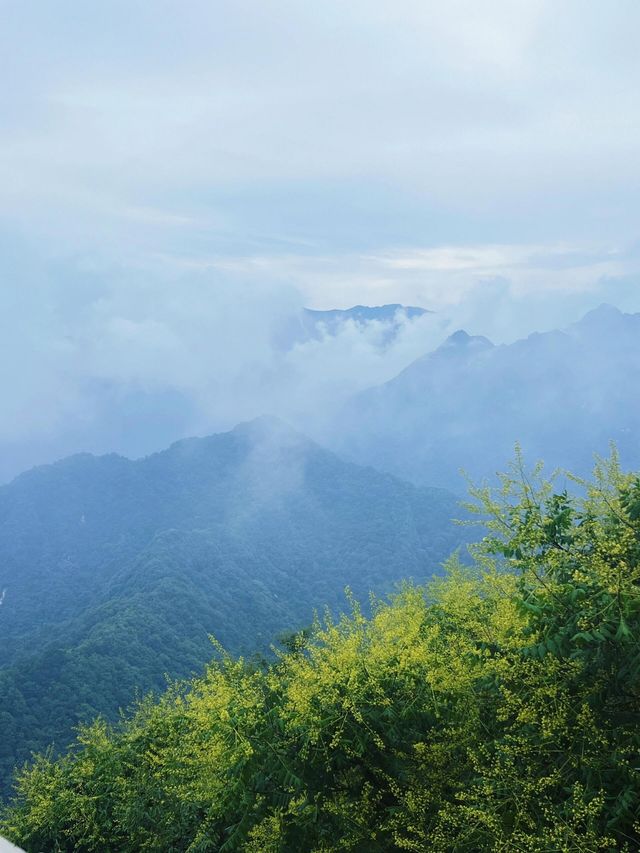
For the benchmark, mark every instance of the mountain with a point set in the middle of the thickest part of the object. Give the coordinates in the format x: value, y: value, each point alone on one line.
x: 115, y: 572
x: 312, y: 324
x: 286, y: 360
x: 494, y: 710
x: 363, y: 314
x: 563, y: 395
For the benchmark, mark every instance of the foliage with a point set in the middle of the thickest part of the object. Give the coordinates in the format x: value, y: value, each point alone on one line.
x: 116, y: 572
x: 496, y: 709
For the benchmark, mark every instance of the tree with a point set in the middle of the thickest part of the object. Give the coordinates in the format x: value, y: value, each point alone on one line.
x: 495, y: 709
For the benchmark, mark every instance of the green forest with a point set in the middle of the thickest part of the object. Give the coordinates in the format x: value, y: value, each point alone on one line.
x: 117, y: 572
x: 496, y: 708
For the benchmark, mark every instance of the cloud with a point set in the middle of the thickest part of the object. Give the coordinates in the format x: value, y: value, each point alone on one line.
x: 97, y: 356
x: 463, y: 283
x: 178, y: 178
x: 257, y: 121
x: 119, y: 358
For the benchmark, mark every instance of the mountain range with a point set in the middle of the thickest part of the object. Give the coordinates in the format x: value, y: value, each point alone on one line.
x: 393, y: 314
x: 313, y: 324
x: 115, y: 572
x: 562, y: 395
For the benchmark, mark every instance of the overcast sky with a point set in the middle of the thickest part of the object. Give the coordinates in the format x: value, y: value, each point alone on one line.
x: 160, y: 160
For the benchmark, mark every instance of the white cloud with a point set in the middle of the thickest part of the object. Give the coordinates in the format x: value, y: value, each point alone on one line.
x: 183, y: 175
x: 500, y: 117
x: 441, y: 277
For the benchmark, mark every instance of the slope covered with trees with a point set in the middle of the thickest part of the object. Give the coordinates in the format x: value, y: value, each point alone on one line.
x: 116, y: 572
x: 496, y: 709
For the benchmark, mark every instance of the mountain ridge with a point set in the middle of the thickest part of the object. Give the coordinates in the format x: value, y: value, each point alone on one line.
x: 562, y: 395
x: 117, y: 571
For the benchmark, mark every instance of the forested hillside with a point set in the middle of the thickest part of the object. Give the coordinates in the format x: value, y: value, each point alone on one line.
x: 563, y: 395
x: 496, y: 709
x: 115, y: 572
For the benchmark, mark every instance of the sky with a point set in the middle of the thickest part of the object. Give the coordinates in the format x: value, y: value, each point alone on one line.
x: 178, y: 177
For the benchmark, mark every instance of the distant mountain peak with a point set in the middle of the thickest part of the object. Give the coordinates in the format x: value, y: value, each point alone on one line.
x: 367, y: 312
x: 264, y: 430
x: 317, y: 324
x: 605, y: 309
x: 463, y: 340
x: 606, y: 321
x: 262, y: 423
x: 459, y: 338
x: 268, y: 426
x: 604, y: 313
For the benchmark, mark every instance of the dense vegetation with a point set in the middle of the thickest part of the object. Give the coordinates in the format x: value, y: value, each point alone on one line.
x: 116, y: 572
x: 495, y: 709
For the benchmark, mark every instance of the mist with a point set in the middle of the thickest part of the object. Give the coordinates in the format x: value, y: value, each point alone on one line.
x: 104, y: 358
x: 121, y: 360
x: 179, y: 182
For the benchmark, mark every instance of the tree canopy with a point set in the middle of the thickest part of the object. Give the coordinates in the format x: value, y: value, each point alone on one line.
x: 497, y: 708
x: 117, y: 571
